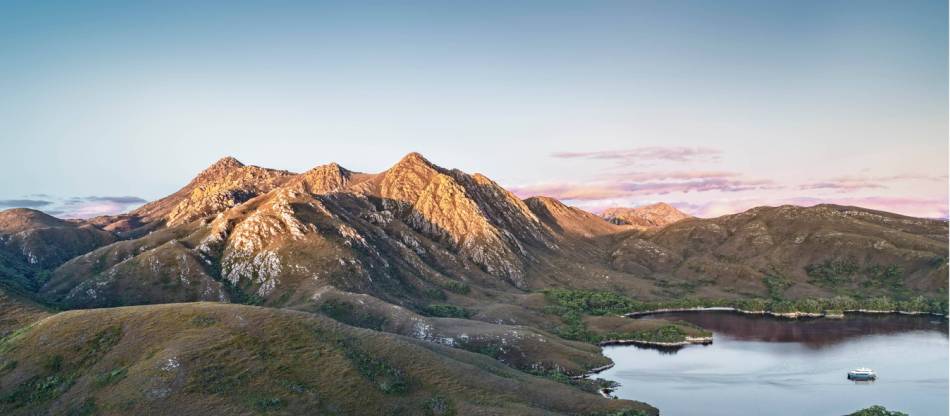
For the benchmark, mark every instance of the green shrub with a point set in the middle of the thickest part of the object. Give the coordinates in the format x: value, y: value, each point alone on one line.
x: 269, y: 403
x: 832, y: 272
x: 53, y: 363
x: 438, y: 406
x: 434, y: 293
x: 591, y: 302
x: 458, y: 288
x: 388, y: 379
x: 626, y: 412
x: 937, y: 261
x: 110, y: 377
x: 447, y: 311
x: 203, y: 321
x: 37, y: 390
x: 776, y: 285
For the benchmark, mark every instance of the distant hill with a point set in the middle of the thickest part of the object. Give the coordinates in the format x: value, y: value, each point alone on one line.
x: 32, y: 243
x: 648, y: 216
x: 794, y: 251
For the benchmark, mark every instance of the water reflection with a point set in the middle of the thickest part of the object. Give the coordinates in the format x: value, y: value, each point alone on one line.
x: 810, y: 332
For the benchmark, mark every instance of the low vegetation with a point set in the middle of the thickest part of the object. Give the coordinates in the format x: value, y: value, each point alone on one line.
x: 877, y: 411
x: 572, y: 305
x: 447, y: 311
x: 601, y: 303
x: 842, y: 274
x: 58, y: 372
x: 206, y: 358
x: 592, y: 302
x: 386, y: 377
x: 776, y: 286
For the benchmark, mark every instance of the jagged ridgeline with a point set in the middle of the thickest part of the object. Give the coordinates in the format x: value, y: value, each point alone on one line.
x: 430, y: 263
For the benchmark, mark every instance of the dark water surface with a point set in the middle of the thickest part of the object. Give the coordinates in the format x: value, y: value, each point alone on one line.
x: 770, y: 366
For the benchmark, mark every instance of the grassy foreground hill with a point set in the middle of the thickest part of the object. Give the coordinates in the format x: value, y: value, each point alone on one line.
x: 208, y: 358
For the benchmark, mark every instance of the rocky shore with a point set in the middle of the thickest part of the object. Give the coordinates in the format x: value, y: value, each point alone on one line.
x: 788, y: 315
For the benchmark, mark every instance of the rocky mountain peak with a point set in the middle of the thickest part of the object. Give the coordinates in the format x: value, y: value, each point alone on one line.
x: 220, y: 168
x: 648, y: 216
x: 224, y: 184
x: 415, y: 158
x: 322, y: 179
x: 228, y: 161
x: 406, y: 180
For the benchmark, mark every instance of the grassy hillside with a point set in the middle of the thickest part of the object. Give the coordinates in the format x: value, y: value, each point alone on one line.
x: 17, y: 311
x: 209, y: 358
x: 792, y: 252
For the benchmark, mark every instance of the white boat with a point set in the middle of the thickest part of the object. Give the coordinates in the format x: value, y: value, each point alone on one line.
x: 862, y: 374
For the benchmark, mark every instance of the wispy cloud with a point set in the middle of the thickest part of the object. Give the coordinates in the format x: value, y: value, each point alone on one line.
x: 77, y: 206
x: 24, y: 203
x: 570, y: 191
x: 671, y: 175
x: 853, y: 183
x: 841, y: 186
x: 597, y: 191
x: 641, y: 154
x: 116, y: 199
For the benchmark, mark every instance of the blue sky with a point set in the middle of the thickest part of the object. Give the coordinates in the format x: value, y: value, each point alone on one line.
x: 714, y: 106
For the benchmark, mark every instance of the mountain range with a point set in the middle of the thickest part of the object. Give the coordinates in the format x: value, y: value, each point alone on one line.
x: 414, y: 284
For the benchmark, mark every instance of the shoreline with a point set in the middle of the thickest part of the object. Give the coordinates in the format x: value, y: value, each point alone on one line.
x: 605, y: 391
x: 593, y: 371
x: 787, y: 315
x: 688, y: 341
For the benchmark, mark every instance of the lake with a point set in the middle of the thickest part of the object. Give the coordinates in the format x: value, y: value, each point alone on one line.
x: 761, y: 365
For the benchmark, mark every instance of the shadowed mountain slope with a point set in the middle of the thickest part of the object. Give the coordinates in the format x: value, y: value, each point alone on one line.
x: 32, y: 242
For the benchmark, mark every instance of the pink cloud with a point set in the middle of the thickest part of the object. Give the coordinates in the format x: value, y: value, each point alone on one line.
x: 916, y: 207
x: 568, y: 191
x: 672, y: 154
x: 841, y: 186
x: 598, y: 191
x: 898, y: 177
x: 95, y: 209
x: 672, y: 175
x: 699, y: 185
x: 852, y: 183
